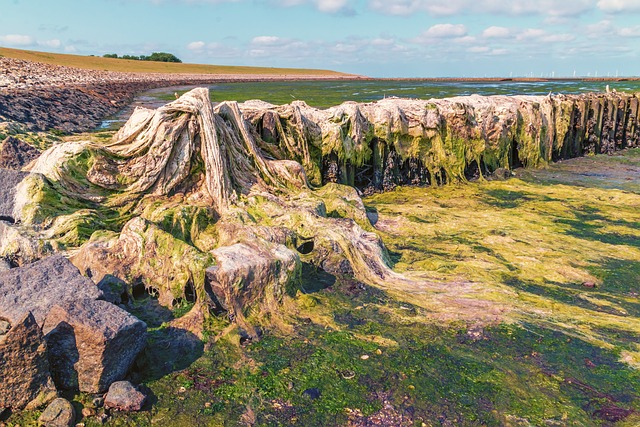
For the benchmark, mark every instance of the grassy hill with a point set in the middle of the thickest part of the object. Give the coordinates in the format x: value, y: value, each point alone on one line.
x: 124, y: 65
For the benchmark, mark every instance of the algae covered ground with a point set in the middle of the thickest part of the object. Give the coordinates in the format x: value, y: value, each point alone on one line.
x: 544, y: 271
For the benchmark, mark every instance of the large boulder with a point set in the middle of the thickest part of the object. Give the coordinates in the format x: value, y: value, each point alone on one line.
x: 10, y: 180
x: 91, y: 344
x: 15, y: 153
x: 39, y: 286
x: 24, y: 367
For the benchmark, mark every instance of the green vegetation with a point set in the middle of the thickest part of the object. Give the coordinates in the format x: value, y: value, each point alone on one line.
x: 555, y: 351
x: 99, y: 63
x: 155, y: 56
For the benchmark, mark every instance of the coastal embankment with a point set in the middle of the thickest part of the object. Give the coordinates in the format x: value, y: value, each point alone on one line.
x: 46, y: 96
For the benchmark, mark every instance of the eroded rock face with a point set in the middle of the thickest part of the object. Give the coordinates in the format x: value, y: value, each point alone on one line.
x: 24, y: 367
x: 245, y: 275
x: 91, y: 344
x: 10, y: 180
x: 39, y: 286
x: 16, y: 154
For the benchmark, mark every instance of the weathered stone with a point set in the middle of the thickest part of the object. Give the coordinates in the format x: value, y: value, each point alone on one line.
x: 113, y: 289
x: 4, y: 327
x: 24, y: 368
x: 245, y: 275
x: 15, y: 153
x: 123, y: 396
x: 10, y: 180
x: 91, y: 344
x: 4, y: 265
x: 59, y: 413
x: 39, y: 286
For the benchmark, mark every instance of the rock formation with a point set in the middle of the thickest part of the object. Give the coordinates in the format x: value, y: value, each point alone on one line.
x: 16, y: 154
x: 91, y: 344
x: 24, y: 367
x: 10, y: 180
x: 222, y: 205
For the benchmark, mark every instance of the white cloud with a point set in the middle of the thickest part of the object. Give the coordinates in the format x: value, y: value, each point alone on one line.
x: 446, y: 31
x: 630, y: 31
x: 382, y: 42
x: 16, y: 40
x: 331, y: 6
x: 479, y: 49
x: 197, y: 45
x: 505, y: 7
x: 617, y: 6
x: 494, y: 32
x: 267, y: 40
x: 53, y: 43
x: 558, y: 38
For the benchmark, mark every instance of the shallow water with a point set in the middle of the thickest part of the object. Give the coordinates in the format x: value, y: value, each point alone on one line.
x: 324, y: 94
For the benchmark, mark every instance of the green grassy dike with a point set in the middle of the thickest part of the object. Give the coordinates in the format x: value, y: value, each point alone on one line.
x: 132, y: 66
x: 554, y: 254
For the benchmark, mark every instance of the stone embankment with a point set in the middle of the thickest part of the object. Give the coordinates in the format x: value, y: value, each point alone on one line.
x: 46, y: 97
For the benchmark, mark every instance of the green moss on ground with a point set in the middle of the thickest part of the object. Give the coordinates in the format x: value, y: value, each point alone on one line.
x: 561, y: 352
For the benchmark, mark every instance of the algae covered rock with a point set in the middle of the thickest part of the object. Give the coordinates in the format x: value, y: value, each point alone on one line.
x: 190, y: 187
x: 10, y: 180
x: 24, y: 367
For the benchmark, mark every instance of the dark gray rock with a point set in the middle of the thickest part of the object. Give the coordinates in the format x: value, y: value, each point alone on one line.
x: 15, y: 153
x: 39, y: 286
x: 10, y: 180
x: 25, y: 381
x: 124, y: 396
x: 59, y: 413
x: 113, y: 289
x: 91, y: 344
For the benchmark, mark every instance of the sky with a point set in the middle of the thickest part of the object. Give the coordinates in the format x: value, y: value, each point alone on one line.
x: 376, y: 38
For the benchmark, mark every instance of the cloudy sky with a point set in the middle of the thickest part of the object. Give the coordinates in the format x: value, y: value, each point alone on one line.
x: 378, y: 38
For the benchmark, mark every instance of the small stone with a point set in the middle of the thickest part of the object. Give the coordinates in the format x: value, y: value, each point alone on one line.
x: 364, y: 357
x: 59, y: 413
x: 98, y: 402
x: 4, y: 327
x: 312, y: 393
x: 182, y: 389
x: 207, y: 404
x: 589, y: 285
x: 123, y: 396
x: 378, y: 352
x: 88, y: 412
x: 103, y: 418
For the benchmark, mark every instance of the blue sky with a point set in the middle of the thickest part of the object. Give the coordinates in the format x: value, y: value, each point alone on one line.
x: 378, y: 38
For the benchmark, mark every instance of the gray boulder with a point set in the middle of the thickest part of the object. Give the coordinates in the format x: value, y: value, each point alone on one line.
x: 15, y: 153
x: 59, y: 413
x: 10, y: 180
x: 91, y: 344
x: 39, y: 286
x: 24, y: 368
x: 124, y: 396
